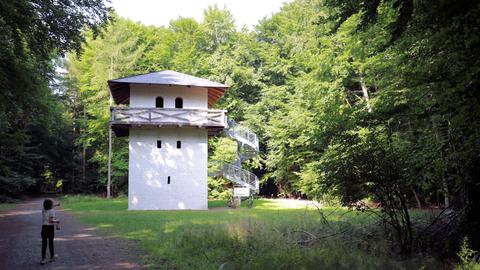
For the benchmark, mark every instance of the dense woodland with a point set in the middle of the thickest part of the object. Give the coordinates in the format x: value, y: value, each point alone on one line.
x: 361, y: 103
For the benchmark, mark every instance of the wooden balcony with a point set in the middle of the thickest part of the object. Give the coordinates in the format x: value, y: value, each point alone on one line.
x: 122, y: 118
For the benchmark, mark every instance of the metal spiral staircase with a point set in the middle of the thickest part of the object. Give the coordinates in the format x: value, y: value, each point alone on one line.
x: 247, y: 145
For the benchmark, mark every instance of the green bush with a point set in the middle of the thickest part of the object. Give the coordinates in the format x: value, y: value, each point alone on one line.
x: 468, y: 257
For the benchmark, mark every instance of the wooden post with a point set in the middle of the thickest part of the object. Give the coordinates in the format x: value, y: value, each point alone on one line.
x: 84, y: 149
x: 109, y: 180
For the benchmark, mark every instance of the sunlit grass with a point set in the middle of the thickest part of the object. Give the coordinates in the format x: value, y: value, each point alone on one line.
x: 266, y: 236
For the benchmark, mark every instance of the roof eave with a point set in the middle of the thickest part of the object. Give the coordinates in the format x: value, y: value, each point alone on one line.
x: 120, y: 92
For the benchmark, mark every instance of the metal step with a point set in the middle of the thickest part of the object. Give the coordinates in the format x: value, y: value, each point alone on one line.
x: 240, y: 176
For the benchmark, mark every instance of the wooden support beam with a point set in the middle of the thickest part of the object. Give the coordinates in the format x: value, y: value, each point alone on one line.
x: 109, y: 180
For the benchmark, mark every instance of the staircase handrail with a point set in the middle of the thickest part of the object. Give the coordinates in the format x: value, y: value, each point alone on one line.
x: 247, y: 140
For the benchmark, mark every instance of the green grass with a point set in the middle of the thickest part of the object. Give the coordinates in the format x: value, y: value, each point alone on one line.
x: 271, y: 235
x: 6, y: 206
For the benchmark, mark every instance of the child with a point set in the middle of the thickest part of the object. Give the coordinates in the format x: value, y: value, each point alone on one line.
x: 48, y: 229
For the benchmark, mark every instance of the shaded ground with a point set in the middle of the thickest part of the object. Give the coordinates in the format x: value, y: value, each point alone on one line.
x: 77, y: 246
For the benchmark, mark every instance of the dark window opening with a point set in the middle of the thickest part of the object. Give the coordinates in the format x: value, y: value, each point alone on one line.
x: 168, y: 180
x: 179, y: 144
x: 159, y: 102
x: 159, y: 144
x: 178, y: 103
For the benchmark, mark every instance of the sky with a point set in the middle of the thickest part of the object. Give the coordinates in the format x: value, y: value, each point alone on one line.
x: 161, y: 12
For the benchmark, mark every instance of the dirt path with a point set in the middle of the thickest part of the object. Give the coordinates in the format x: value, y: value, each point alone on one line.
x: 77, y: 246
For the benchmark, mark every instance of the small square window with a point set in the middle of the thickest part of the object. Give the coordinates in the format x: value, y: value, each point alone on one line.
x: 159, y: 144
x: 179, y: 144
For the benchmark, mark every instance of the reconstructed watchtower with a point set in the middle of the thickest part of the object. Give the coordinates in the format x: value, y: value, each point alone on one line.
x: 168, y: 120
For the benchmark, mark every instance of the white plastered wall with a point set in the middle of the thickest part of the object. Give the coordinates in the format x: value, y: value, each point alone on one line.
x: 150, y: 167
x: 143, y: 96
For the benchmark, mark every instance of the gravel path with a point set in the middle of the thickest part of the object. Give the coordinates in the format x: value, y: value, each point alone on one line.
x: 77, y: 246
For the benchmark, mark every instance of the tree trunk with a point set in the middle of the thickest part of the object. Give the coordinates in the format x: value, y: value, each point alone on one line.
x: 365, y: 92
x: 419, y: 204
x: 445, y: 192
x: 442, y: 141
x: 408, y: 238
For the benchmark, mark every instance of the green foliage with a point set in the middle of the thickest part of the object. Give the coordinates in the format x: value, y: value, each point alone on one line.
x: 223, y: 151
x: 47, y: 26
x: 50, y: 183
x: 219, y: 27
x: 369, y: 98
x: 468, y: 257
x: 33, y: 129
x: 116, y: 54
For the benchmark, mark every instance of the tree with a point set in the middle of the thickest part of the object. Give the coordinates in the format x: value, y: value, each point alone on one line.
x: 32, y: 35
x: 117, y: 53
x: 219, y: 27
x: 374, y: 82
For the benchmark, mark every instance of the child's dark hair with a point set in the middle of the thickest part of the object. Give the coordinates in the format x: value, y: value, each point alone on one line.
x: 47, y: 204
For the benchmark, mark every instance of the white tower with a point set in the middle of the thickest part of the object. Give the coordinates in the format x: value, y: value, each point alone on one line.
x: 168, y: 120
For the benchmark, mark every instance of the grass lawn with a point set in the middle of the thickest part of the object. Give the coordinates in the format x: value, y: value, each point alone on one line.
x: 6, y: 206
x: 272, y: 235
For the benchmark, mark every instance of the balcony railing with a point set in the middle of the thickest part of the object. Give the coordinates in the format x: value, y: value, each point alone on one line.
x: 127, y: 116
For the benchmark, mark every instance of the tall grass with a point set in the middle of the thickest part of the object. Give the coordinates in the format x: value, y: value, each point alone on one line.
x: 271, y: 235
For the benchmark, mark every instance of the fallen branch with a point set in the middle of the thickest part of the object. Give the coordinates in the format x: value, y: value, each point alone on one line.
x: 314, y: 237
x: 431, y: 224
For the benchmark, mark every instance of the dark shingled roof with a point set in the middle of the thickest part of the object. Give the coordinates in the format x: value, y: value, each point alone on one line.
x: 120, y: 88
